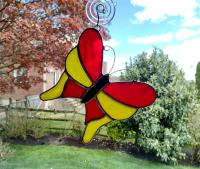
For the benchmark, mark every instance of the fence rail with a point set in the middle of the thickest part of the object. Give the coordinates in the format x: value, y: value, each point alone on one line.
x: 37, y: 110
x: 32, y: 113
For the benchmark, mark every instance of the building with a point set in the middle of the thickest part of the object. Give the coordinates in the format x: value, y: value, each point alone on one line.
x: 50, y: 79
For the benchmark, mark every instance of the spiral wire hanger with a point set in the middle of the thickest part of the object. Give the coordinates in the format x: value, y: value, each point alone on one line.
x: 99, y: 13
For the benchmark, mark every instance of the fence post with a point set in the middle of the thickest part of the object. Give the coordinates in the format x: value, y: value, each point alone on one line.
x: 8, y: 110
x: 10, y: 102
x: 26, y: 112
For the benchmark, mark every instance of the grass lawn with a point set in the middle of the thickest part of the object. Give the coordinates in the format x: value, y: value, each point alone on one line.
x: 67, y: 157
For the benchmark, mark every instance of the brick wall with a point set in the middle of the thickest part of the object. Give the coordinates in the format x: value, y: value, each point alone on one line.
x: 19, y: 94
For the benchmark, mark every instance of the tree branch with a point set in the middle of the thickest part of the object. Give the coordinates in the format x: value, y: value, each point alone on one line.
x: 7, y: 66
x: 6, y: 5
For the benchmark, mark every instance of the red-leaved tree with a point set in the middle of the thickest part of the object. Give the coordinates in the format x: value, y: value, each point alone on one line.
x: 37, y: 34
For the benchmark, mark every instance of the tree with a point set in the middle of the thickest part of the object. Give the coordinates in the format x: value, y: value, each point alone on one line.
x: 162, y: 127
x: 37, y: 34
x: 197, y: 76
x: 194, y: 127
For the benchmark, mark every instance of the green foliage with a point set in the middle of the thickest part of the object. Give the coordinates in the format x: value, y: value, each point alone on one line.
x: 116, y: 131
x: 194, y: 126
x: 196, y: 154
x: 77, y: 128
x: 197, y: 75
x: 4, y: 150
x: 35, y: 128
x: 162, y: 127
x: 15, y: 127
x: 20, y: 126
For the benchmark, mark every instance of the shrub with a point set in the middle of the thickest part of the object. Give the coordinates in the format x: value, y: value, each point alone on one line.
x: 194, y: 126
x: 15, y: 126
x: 35, y: 128
x: 162, y: 127
x: 20, y: 126
x: 77, y: 128
x: 196, y: 154
x: 116, y: 131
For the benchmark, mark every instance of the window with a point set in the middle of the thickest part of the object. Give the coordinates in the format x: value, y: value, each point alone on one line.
x: 20, y: 72
x: 56, y: 76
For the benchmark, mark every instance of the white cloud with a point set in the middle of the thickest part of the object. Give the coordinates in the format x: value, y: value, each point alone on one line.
x: 156, y: 10
x: 111, y: 42
x: 184, y: 33
x: 187, y: 55
x: 167, y: 37
x: 190, y: 22
x: 172, y: 22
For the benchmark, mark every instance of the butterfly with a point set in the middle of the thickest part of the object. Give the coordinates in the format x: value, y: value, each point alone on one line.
x: 83, y: 79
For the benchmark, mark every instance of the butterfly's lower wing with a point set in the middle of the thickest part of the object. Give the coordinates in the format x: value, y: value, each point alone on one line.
x: 121, y: 100
x: 93, y: 111
x: 95, y: 118
x: 117, y: 101
x: 57, y: 90
x: 113, y: 108
x: 65, y: 88
x: 73, y: 90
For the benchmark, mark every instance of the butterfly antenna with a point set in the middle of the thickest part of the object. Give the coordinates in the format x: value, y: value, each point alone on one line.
x: 120, y: 70
x: 114, y: 59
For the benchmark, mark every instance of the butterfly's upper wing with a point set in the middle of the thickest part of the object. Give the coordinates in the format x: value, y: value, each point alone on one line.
x: 90, y: 49
x: 121, y: 100
x: 84, y: 62
x: 83, y: 67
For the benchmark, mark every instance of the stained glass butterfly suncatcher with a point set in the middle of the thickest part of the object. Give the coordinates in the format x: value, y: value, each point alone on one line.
x: 104, y: 101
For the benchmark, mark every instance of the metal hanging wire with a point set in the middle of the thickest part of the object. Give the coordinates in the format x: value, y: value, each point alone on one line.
x: 100, y: 12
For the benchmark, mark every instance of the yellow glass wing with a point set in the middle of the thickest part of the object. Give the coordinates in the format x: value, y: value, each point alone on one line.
x: 56, y: 90
x: 92, y: 127
x: 113, y: 108
x: 76, y: 70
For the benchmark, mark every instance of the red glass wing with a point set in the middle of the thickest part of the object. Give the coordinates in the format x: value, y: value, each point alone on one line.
x: 72, y: 89
x: 90, y: 49
x: 134, y: 94
x: 93, y: 111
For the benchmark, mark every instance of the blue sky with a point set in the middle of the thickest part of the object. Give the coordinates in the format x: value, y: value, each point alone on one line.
x: 172, y: 25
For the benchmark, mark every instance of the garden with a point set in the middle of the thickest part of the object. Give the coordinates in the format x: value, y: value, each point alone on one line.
x: 52, y: 139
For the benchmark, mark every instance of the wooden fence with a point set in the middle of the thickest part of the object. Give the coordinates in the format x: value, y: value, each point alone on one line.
x: 64, y: 120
